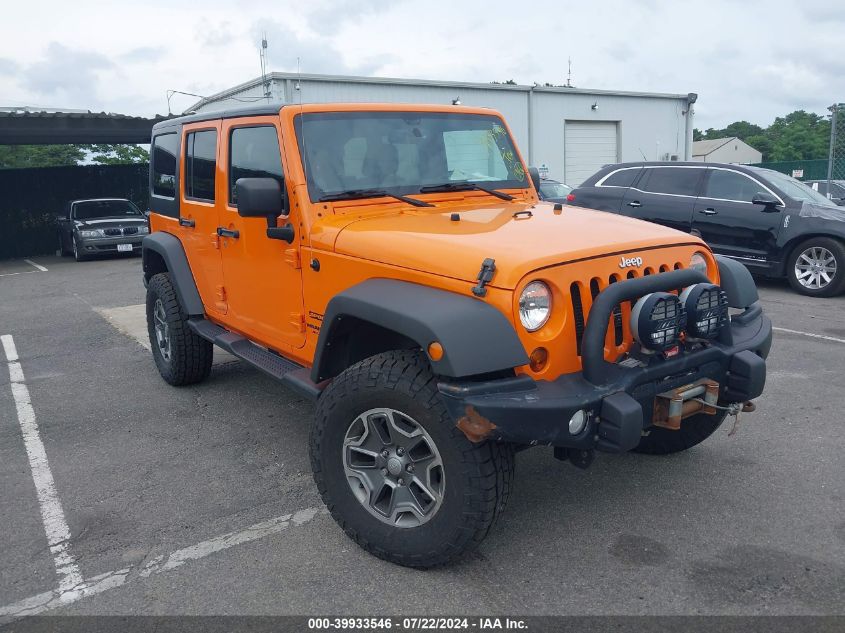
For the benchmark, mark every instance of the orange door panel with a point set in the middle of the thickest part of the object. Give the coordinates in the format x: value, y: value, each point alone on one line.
x: 263, y: 275
x: 199, y: 210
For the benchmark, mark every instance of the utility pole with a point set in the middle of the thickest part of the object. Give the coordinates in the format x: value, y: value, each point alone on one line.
x: 834, y: 109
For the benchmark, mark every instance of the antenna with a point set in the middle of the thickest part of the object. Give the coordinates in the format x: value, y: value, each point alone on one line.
x: 262, y: 54
x: 569, y: 73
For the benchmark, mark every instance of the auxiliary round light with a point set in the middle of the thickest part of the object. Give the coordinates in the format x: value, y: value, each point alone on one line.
x: 577, y: 422
x: 657, y: 320
x: 706, y: 306
x: 535, y: 305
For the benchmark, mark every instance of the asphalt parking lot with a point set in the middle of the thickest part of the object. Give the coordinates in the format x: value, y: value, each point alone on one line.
x: 200, y: 500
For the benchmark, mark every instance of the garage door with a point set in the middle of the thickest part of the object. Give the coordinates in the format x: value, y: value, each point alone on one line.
x: 590, y: 145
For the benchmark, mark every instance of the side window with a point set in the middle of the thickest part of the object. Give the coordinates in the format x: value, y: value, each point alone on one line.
x: 253, y: 153
x: 164, y: 165
x: 200, y: 164
x: 678, y: 181
x: 621, y: 178
x: 731, y: 185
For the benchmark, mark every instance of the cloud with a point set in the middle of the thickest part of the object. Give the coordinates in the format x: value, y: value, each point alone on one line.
x: 67, y: 72
x: 143, y: 55
x: 8, y: 67
x: 330, y: 17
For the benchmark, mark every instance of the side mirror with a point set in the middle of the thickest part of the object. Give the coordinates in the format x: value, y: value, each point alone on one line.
x: 765, y: 199
x: 260, y: 198
x: 534, y: 173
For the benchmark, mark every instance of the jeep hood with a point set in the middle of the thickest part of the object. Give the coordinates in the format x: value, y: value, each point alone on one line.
x: 520, y: 237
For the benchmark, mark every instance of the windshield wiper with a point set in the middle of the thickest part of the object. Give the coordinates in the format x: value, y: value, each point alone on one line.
x: 352, y: 194
x: 464, y: 185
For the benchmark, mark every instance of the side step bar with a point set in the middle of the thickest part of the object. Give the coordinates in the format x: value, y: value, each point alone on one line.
x: 291, y: 374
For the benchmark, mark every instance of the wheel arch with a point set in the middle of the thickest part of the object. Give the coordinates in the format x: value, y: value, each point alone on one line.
x: 378, y: 315
x: 163, y: 252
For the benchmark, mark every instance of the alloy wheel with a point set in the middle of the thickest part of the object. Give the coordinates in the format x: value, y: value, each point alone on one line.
x: 162, y: 330
x: 393, y: 467
x: 815, y: 268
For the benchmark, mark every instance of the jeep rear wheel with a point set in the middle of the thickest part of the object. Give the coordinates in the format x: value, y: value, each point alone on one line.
x: 182, y: 357
x: 394, y: 471
x: 694, y: 430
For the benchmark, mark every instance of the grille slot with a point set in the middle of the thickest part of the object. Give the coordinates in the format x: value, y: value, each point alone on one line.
x: 130, y: 230
x: 618, y: 332
x: 111, y: 232
x: 578, y: 314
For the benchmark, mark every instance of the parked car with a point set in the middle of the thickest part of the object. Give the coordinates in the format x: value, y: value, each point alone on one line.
x: 100, y: 226
x: 772, y: 223
x: 553, y: 191
x: 836, y: 191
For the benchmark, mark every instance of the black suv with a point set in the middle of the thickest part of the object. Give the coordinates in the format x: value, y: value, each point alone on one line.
x: 772, y: 223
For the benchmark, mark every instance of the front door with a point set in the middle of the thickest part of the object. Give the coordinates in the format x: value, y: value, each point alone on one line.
x: 263, y: 276
x: 731, y: 224
x: 664, y: 195
x: 199, y: 210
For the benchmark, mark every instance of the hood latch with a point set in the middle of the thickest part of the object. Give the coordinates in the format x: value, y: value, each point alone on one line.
x: 485, y: 275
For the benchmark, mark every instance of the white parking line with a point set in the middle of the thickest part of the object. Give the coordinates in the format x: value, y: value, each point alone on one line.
x: 43, y: 269
x: 58, y: 532
x: 160, y: 564
x: 810, y: 334
x: 20, y: 272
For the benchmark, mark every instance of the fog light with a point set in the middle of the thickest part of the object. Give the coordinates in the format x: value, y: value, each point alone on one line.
x: 577, y: 422
x: 656, y: 321
x: 706, y: 306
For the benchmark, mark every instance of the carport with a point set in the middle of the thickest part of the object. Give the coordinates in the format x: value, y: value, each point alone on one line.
x: 32, y: 196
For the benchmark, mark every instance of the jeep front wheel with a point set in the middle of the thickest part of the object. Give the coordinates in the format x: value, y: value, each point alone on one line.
x: 182, y: 357
x: 394, y: 471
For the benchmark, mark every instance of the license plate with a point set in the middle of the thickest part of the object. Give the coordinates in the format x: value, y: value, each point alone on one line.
x: 124, y: 248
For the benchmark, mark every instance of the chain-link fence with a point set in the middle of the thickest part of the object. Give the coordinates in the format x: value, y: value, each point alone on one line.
x: 836, y: 159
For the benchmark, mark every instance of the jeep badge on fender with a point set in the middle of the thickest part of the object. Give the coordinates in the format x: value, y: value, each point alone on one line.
x: 433, y: 346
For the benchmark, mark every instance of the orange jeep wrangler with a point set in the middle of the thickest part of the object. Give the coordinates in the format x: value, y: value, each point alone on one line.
x: 394, y: 264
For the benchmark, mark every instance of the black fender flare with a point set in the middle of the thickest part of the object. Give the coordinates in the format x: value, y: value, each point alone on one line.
x: 737, y: 282
x: 476, y: 337
x: 170, y: 249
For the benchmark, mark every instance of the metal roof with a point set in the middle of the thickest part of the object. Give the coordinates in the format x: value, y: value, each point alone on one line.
x: 703, y: 148
x: 23, y: 126
x: 423, y: 82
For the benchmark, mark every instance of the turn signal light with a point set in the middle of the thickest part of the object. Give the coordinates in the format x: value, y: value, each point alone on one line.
x: 538, y: 359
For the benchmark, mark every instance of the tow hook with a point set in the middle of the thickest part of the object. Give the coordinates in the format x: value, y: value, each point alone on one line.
x: 578, y: 457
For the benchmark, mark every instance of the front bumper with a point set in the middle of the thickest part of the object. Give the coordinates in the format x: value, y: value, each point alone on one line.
x: 95, y: 245
x: 619, y: 400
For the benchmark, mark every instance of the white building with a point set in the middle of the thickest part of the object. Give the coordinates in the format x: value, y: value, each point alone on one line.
x: 725, y: 150
x: 571, y: 131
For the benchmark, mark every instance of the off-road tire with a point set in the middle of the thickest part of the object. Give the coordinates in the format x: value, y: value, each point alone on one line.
x: 190, y: 354
x: 694, y: 430
x: 836, y: 285
x: 478, y: 476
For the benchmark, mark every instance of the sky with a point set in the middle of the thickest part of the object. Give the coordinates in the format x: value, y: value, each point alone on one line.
x: 752, y: 60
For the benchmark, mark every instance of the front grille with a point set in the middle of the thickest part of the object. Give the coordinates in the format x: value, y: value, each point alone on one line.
x: 112, y: 232
x: 117, y: 231
x: 130, y: 230
x: 619, y: 334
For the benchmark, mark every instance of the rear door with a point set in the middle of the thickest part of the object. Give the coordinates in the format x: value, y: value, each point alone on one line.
x: 263, y: 276
x: 607, y: 191
x: 665, y: 195
x: 730, y: 223
x: 199, y: 210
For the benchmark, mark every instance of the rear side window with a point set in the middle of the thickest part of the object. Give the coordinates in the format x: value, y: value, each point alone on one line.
x: 201, y: 164
x: 164, y: 165
x: 253, y: 153
x: 730, y: 185
x: 621, y: 178
x: 673, y: 180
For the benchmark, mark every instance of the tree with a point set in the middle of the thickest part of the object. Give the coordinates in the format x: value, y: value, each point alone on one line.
x: 118, y: 154
x: 21, y: 156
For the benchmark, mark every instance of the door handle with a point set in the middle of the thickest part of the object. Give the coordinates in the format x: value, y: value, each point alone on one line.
x: 635, y: 204
x: 708, y: 211
x: 186, y: 222
x: 228, y: 233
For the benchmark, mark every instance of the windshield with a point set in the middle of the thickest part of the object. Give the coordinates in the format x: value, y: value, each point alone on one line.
x: 95, y: 209
x: 402, y: 152
x: 552, y: 189
x: 796, y: 189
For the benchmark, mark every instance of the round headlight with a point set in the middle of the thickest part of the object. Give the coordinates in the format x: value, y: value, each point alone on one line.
x: 535, y: 305
x: 657, y: 320
x: 706, y: 306
x: 698, y: 262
